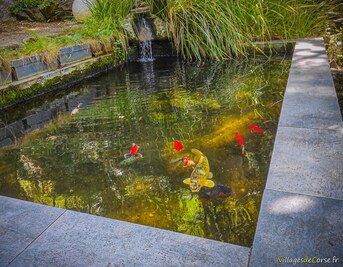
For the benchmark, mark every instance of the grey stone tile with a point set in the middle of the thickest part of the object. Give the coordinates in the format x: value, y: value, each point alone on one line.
x: 25, y: 217
x: 310, y: 111
x: 307, y: 161
x: 323, y: 87
x: 77, y: 239
x: 296, y: 226
x: 11, y: 244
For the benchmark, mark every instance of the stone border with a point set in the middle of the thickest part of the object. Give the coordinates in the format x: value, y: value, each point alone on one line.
x: 38, y: 235
x: 302, y: 206
x: 300, y: 216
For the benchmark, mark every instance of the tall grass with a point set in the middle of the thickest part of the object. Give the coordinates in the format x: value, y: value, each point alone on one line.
x: 220, y: 29
x: 107, y: 21
x: 199, y: 29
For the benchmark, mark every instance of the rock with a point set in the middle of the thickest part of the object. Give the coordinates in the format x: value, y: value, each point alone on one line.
x: 81, y: 10
x: 35, y: 14
x: 64, y: 9
x: 130, y: 32
x: 161, y: 29
x: 5, y: 14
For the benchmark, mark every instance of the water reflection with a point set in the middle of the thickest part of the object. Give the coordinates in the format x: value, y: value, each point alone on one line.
x: 73, y: 161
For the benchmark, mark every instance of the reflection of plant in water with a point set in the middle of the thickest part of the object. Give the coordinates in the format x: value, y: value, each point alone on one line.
x: 253, y: 164
x: 74, y: 161
x: 32, y: 168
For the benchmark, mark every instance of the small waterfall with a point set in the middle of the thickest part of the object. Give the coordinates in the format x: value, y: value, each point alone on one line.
x: 145, y: 35
x: 145, y: 51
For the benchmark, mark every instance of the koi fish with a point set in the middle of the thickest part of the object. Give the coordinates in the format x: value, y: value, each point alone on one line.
x: 254, y: 128
x: 200, y: 173
x: 240, y: 141
x: 75, y: 110
x: 178, y: 145
x: 133, y: 152
x: 216, y: 192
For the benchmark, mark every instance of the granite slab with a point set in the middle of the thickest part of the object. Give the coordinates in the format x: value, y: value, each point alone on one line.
x: 293, y: 226
x: 78, y: 239
x: 307, y: 161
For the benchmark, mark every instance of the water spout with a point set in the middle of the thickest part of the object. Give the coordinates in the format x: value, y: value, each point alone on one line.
x: 145, y: 35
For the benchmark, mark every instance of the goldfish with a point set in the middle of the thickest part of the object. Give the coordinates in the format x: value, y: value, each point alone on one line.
x: 178, y: 145
x: 254, y: 128
x: 75, y: 110
x: 240, y: 140
x: 200, y: 173
x: 133, y: 151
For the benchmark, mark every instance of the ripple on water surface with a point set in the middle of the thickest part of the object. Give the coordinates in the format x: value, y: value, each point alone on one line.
x: 75, y: 162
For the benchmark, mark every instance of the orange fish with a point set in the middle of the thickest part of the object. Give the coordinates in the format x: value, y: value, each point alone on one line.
x: 178, y: 145
x: 133, y: 151
x: 240, y: 140
x: 254, y: 128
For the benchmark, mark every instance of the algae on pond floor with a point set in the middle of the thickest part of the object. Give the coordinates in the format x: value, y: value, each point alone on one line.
x: 74, y: 161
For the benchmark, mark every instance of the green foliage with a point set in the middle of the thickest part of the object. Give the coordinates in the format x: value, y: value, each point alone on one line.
x: 24, y: 4
x: 222, y: 29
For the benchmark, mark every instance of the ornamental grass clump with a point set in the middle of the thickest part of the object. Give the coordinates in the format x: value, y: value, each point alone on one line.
x: 221, y: 29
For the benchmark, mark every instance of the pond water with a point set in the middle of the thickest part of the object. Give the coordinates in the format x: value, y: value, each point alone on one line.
x: 74, y: 162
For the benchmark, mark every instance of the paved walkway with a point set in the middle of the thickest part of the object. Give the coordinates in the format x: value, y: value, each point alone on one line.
x: 301, y: 214
x: 302, y: 207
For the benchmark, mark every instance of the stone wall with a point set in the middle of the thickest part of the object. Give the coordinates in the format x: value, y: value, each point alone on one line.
x: 5, y: 14
x: 61, y: 9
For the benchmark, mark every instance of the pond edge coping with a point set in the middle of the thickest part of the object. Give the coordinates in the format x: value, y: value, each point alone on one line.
x: 300, y: 219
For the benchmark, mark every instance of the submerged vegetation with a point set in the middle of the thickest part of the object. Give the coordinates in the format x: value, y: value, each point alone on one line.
x: 74, y: 162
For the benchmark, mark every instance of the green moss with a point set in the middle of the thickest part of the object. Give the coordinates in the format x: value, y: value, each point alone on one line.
x: 14, y: 94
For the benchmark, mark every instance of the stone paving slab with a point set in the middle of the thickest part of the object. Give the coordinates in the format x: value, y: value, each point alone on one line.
x: 296, y: 226
x: 307, y: 161
x: 20, y: 223
x: 317, y: 87
x: 77, y: 239
x: 26, y: 217
x: 11, y: 244
x: 308, y: 110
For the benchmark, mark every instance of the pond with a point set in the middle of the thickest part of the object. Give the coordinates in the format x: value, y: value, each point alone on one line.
x: 76, y: 162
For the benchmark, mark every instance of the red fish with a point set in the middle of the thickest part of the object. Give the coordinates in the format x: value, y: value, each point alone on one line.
x: 254, y: 128
x: 240, y: 140
x: 178, y: 145
x: 187, y: 162
x: 133, y: 151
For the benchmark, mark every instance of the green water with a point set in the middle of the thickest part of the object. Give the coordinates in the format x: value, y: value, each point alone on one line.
x: 73, y: 162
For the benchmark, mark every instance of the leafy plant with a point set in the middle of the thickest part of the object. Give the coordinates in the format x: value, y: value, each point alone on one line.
x: 19, y: 5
